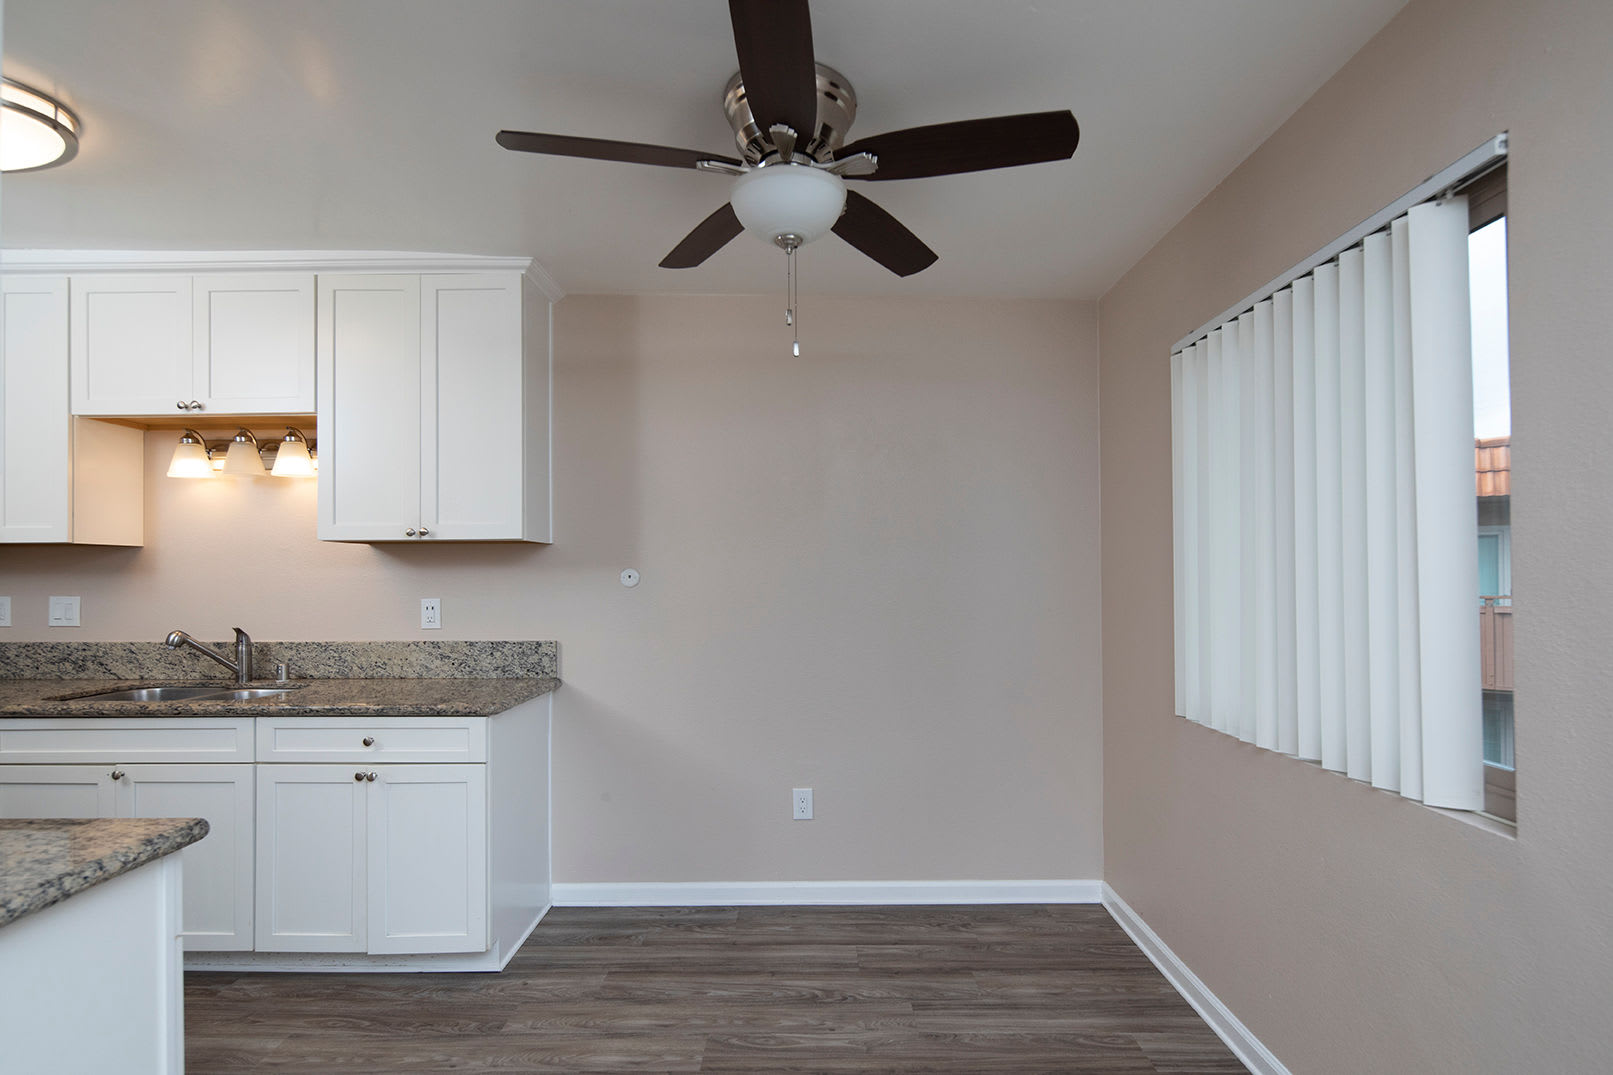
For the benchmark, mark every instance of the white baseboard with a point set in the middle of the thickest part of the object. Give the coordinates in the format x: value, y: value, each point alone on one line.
x: 1248, y: 1048
x: 797, y: 893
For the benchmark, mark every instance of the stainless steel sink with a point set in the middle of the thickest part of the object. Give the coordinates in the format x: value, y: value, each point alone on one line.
x: 155, y: 694
x: 188, y: 694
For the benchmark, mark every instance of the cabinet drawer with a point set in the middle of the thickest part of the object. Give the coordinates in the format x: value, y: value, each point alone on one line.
x: 391, y: 739
x: 70, y: 740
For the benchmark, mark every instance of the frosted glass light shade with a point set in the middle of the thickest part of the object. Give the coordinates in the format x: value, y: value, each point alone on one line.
x: 190, y: 460
x: 35, y: 130
x: 293, y: 460
x: 788, y: 199
x: 243, y: 460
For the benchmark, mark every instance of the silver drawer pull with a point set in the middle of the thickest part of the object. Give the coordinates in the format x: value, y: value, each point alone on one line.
x: 117, y: 774
x: 369, y: 740
x: 370, y: 777
x: 358, y: 776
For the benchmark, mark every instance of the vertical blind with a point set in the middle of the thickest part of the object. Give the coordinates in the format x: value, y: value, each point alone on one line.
x: 1325, y: 561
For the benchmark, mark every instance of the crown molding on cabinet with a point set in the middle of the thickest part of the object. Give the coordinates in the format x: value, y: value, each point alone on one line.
x: 316, y: 261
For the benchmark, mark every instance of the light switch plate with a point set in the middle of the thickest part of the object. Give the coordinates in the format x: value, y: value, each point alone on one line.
x: 63, y: 612
x: 5, y: 612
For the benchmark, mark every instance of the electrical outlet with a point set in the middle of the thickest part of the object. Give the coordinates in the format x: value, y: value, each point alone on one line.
x: 431, y: 613
x: 63, y: 612
x: 801, y: 803
x: 5, y: 612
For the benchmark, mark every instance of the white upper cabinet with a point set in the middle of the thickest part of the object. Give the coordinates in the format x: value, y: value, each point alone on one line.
x: 253, y: 350
x: 369, y: 407
x: 62, y: 479
x: 131, y: 343
x: 164, y: 343
x: 433, y: 408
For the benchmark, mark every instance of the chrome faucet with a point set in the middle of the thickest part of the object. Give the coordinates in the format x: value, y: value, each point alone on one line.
x: 241, y: 666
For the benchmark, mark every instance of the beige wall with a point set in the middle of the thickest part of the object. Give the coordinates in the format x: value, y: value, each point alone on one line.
x: 872, y: 570
x: 1350, y: 929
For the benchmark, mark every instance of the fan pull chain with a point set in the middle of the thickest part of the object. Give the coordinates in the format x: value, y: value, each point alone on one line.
x: 791, y: 293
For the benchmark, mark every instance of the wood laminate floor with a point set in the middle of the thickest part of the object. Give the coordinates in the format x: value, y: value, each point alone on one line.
x: 1010, y: 989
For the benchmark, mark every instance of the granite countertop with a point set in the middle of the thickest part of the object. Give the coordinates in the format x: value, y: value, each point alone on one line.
x: 304, y: 698
x: 45, y: 860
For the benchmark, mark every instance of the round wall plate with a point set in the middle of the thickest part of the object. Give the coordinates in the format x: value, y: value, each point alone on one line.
x: 629, y: 577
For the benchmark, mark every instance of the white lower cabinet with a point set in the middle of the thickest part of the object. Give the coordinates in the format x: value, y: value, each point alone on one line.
x: 387, y: 860
x: 218, y: 868
x: 56, y: 791
x: 335, y: 843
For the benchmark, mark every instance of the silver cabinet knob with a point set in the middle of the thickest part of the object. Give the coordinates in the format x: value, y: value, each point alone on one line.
x: 117, y: 774
x: 181, y: 405
x: 194, y: 406
x: 424, y: 531
x: 370, y: 777
x: 369, y: 740
x: 358, y: 776
x: 409, y: 532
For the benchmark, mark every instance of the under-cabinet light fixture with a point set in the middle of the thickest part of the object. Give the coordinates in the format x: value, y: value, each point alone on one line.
x: 242, y: 456
x: 190, y: 457
x: 36, y: 130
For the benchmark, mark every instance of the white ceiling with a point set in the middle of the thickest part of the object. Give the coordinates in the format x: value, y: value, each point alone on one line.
x: 368, y: 125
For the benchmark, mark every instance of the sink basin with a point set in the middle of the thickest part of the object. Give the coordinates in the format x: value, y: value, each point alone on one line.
x: 203, y: 693
x: 155, y: 694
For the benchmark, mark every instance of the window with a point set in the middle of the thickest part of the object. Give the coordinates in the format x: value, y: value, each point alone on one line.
x: 1326, y: 546
x: 1492, y: 454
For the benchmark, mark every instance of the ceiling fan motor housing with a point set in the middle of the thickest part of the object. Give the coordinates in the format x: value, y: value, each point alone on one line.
x: 837, y: 108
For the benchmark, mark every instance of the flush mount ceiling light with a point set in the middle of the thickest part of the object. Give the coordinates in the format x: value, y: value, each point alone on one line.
x: 36, y: 130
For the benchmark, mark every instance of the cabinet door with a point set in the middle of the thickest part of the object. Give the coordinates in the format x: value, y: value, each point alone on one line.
x: 253, y: 349
x: 428, y: 859
x: 218, y: 868
x: 130, y: 339
x: 310, y: 852
x: 369, y: 408
x: 56, y: 791
x: 471, y: 402
x: 35, y: 439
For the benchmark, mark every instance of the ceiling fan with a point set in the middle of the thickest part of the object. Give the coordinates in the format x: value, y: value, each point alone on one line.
x: 790, y: 115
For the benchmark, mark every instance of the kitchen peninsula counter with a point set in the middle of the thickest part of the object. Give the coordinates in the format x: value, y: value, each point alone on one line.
x: 45, y: 860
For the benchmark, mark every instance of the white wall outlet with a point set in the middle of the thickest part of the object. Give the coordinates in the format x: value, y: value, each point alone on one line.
x: 629, y: 577
x: 801, y: 804
x: 63, y: 612
x: 5, y: 612
x: 431, y: 613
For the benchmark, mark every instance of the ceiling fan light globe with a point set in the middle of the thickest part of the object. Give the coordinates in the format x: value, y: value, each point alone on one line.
x: 788, y: 199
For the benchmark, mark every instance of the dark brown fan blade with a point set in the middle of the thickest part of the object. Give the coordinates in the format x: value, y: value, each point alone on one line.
x: 882, y: 237
x: 774, y: 41
x: 565, y: 145
x: 971, y: 145
x: 708, y: 237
